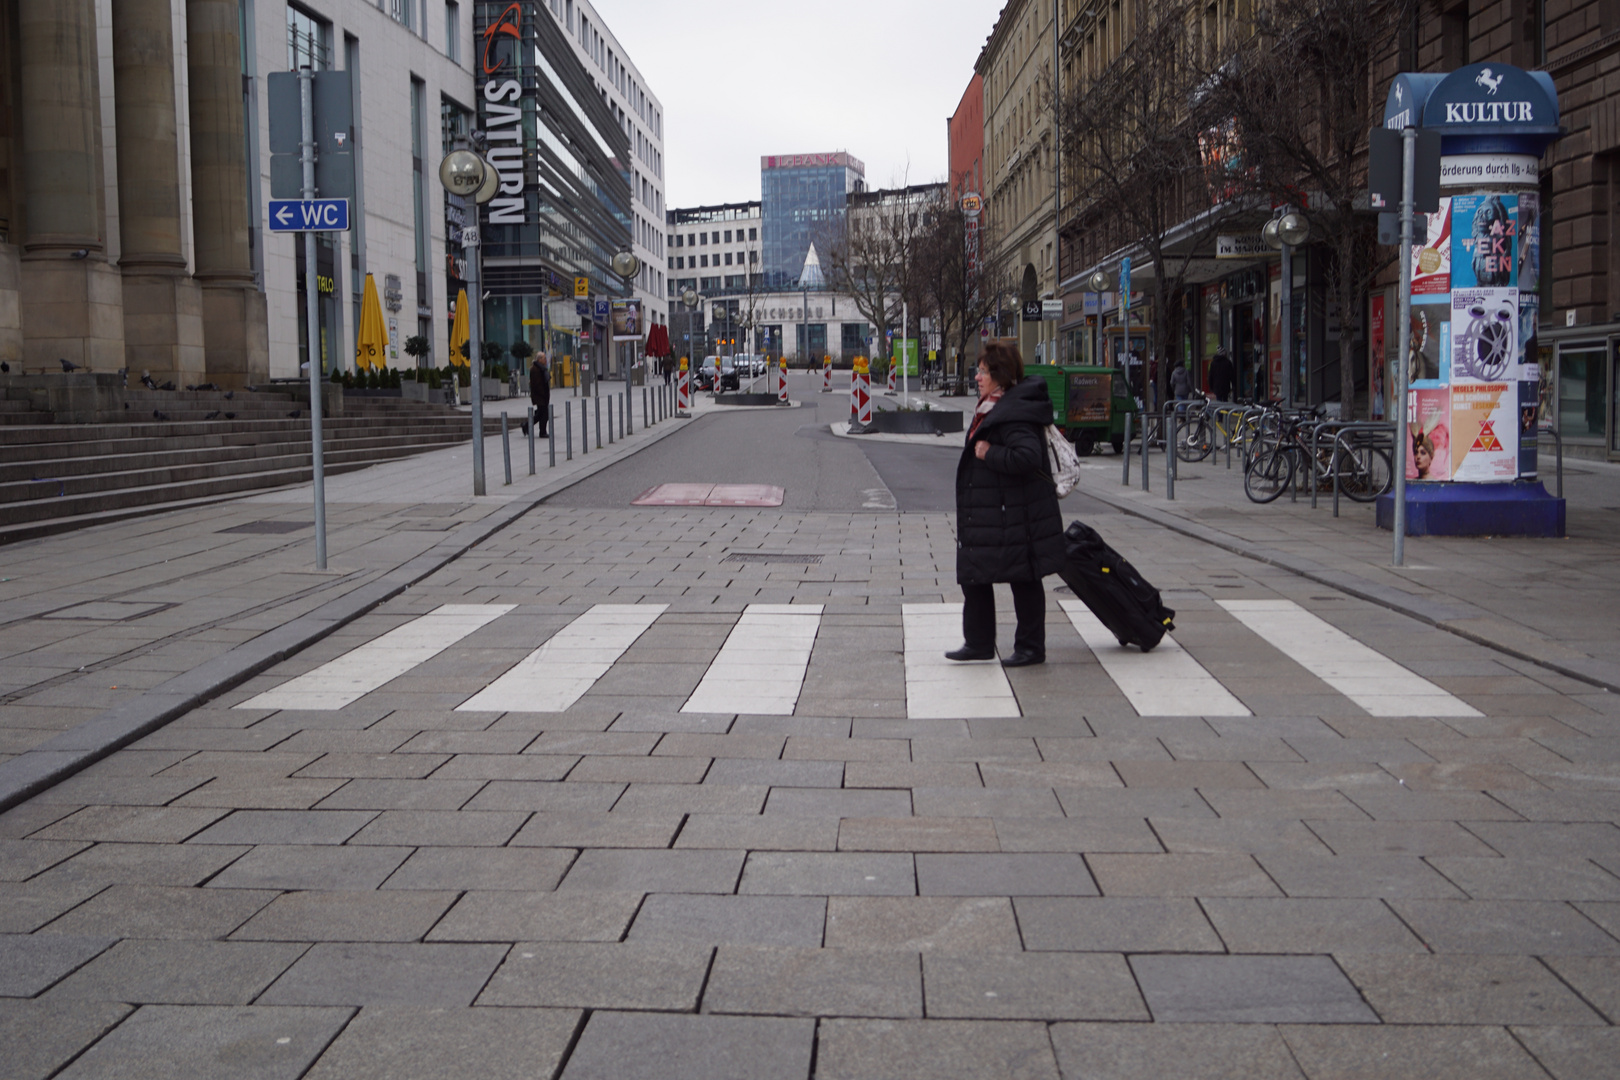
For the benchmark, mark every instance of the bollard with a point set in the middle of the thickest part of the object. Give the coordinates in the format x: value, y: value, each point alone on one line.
x: 610, y: 400
x: 531, y: 440
x: 862, y: 400
x: 584, y: 429
x: 781, y: 384
x: 568, y: 429
x: 551, y: 436
x: 1170, y: 455
x: 506, y: 449
x: 1144, y: 452
x: 630, y: 414
x: 683, y: 400
x: 646, y: 417
x: 1126, y: 445
x: 599, y: 420
x: 826, y: 374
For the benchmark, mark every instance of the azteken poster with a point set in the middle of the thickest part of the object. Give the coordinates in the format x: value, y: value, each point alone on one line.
x: 1484, y: 231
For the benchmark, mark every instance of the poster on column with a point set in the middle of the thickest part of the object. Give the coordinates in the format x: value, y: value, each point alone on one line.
x: 1375, y: 356
x: 1428, y: 413
x: 1484, y: 229
x: 1485, y: 432
x: 1484, y: 335
x: 1431, y: 255
x: 1431, y: 343
x: 1529, y: 421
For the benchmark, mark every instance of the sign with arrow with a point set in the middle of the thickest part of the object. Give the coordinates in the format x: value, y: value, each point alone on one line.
x: 309, y: 215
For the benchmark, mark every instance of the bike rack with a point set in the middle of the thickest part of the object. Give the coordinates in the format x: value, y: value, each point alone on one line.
x: 1380, y: 427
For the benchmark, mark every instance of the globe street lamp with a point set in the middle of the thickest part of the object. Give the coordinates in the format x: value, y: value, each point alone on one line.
x: 691, y: 299
x: 466, y: 174
x: 1099, y: 282
x: 1284, y: 232
x: 627, y: 266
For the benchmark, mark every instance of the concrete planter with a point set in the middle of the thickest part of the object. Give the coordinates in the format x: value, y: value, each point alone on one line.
x: 411, y: 390
x: 745, y: 399
x: 894, y: 422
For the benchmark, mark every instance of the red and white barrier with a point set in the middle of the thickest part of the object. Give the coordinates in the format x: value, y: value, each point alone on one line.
x: 781, y: 382
x: 683, y: 391
x: 860, y: 404
x: 826, y: 374
x: 891, y: 375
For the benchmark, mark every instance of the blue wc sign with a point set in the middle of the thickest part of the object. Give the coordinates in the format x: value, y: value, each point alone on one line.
x: 1472, y: 377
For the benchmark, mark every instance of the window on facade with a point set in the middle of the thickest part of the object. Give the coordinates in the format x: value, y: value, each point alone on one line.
x: 753, y: 256
x: 728, y: 257
x: 402, y: 12
x: 728, y: 236
x: 703, y: 260
x: 753, y: 234
x: 418, y: 97
x: 703, y: 238
x: 452, y: 30
x: 309, y: 41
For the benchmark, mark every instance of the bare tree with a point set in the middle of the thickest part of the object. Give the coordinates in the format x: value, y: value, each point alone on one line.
x: 870, y: 254
x: 960, y: 277
x: 1299, y: 97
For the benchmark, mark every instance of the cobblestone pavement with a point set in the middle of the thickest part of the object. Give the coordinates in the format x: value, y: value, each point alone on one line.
x: 1235, y: 857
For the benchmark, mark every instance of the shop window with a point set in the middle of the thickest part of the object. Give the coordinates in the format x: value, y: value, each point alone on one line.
x: 1581, y: 392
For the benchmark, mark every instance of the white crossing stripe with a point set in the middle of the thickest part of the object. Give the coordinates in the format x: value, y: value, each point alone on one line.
x: 359, y: 671
x: 937, y: 688
x: 761, y: 667
x: 1368, y: 678
x: 1164, y: 682
x: 558, y: 673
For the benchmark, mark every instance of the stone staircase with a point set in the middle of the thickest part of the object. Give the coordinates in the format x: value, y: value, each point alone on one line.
x: 178, y: 448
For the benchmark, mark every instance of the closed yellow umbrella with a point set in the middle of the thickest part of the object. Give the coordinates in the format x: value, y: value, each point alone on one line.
x: 371, y: 343
x: 459, y: 334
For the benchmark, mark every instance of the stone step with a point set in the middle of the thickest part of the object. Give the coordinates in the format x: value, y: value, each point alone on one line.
x: 57, y: 441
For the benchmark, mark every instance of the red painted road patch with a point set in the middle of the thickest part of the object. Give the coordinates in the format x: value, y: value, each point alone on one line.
x: 710, y: 495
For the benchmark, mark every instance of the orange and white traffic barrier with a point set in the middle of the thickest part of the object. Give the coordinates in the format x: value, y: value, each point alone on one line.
x: 826, y: 374
x: 781, y: 382
x: 891, y: 375
x: 860, y: 405
x: 683, y: 390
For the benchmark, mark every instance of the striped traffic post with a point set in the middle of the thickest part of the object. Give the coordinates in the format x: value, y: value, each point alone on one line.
x: 683, y: 400
x: 826, y: 374
x: 861, y: 404
x: 781, y: 382
x: 890, y: 387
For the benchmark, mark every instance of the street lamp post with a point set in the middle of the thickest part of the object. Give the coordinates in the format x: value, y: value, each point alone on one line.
x: 1284, y: 233
x: 465, y: 173
x: 692, y: 301
x: 627, y: 266
x: 1100, y: 283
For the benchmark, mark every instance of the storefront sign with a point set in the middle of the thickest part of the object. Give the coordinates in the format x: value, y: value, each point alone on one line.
x: 1246, y: 246
x: 1474, y: 170
x: 500, y: 108
x: 1051, y: 310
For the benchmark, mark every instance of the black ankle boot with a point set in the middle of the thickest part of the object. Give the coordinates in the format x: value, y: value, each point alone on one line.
x: 965, y: 653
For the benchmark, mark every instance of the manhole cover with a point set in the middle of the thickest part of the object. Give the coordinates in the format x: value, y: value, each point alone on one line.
x: 269, y: 527
x: 710, y: 495
x: 109, y: 610
x: 769, y: 557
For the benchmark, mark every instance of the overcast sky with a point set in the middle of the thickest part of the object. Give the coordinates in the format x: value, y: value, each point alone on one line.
x: 877, y: 78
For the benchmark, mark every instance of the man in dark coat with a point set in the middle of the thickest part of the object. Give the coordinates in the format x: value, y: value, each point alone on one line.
x: 1221, y: 376
x: 539, y: 395
x: 1008, y: 525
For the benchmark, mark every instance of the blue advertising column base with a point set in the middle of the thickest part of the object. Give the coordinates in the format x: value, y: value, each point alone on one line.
x: 1521, y: 508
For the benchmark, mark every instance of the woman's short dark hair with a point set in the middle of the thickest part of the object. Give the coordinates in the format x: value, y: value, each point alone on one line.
x: 1003, y: 363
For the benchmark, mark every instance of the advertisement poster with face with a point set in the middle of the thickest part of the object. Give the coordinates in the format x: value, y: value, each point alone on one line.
x: 1483, y: 234
x: 626, y: 320
x: 1431, y: 343
x: 1431, y: 255
x: 1428, y: 453
x: 1485, y: 432
x: 1484, y: 335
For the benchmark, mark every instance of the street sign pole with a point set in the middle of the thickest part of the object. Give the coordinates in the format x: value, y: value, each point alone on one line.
x: 473, y: 244
x: 1403, y: 357
x: 312, y: 315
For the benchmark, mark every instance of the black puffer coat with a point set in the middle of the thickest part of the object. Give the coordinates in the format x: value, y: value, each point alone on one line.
x: 1008, y: 525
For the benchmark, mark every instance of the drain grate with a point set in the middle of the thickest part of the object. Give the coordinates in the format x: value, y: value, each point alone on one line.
x: 271, y: 528
x: 769, y: 557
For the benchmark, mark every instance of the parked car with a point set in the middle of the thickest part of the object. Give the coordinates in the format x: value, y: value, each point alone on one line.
x: 727, y: 370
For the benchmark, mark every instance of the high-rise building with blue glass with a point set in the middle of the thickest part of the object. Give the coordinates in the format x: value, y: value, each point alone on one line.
x: 801, y: 194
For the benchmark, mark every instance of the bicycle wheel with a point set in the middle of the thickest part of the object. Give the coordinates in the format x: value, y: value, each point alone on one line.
x: 1193, y: 440
x: 1365, y: 473
x: 1269, y: 474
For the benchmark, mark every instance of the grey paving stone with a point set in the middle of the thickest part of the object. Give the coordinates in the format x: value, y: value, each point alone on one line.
x: 30, y: 963
x: 377, y: 794
x: 1284, y: 804
x: 790, y: 774
x: 294, y: 866
x: 30, y: 817
x: 180, y: 973
x: 813, y: 873
x: 22, y: 859
x: 822, y: 748
x: 1042, y: 774
x: 826, y: 727
x: 1203, y: 775
x: 1570, y: 1053
x: 84, y: 790
x: 1545, y: 840
x: 626, y: 769
x: 386, y: 1042
x: 1398, y: 838
x: 1103, y: 748
x: 1185, y: 1051
x: 1380, y: 876
x: 1114, y: 924
x: 1316, y: 776
x: 558, y: 797
x: 649, y: 799
x: 380, y: 766
x: 1249, y: 989
x: 615, y: 975
x: 466, y: 742
x: 40, y: 1036
x: 1076, y: 834
x: 721, y: 747
x: 922, y: 923
x: 838, y: 802
x: 1465, y: 990
x: 814, y: 982
x: 655, y: 871
x: 481, y: 868
x: 907, y: 728
x: 917, y: 834
x: 1370, y: 751
x: 911, y: 774
x: 599, y: 830
x: 1473, y: 1052
x: 25, y: 906
x: 731, y: 920
x: 1181, y: 875
x: 662, y: 1046
x: 245, y: 792
x: 132, y: 824
x: 1043, y: 874
x: 286, y: 827
x: 506, y: 767
x: 252, y: 1042
x: 1529, y: 878
x: 1595, y: 978
x: 938, y: 1049
x: 1403, y: 805
x: 590, y: 742
x: 538, y: 916
x: 404, y: 915
x: 1136, y: 803
x: 1032, y: 986
x: 754, y: 832
x: 1507, y: 927
x: 143, y: 864
x: 156, y: 911
x: 985, y: 802
x: 1309, y: 926
x: 935, y: 748
x: 393, y: 974
x: 441, y: 828
x: 1245, y: 836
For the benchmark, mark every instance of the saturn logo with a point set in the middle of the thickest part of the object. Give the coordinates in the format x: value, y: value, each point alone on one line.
x: 507, y: 23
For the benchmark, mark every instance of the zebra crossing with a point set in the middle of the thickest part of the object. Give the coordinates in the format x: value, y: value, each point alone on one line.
x: 762, y: 666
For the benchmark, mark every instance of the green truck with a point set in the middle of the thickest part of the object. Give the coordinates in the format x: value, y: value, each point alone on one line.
x: 1089, y: 402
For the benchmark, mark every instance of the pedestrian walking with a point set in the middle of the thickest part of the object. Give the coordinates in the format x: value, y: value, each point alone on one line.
x: 1008, y: 525
x: 539, y: 394
x: 1181, y: 383
x: 1221, y: 375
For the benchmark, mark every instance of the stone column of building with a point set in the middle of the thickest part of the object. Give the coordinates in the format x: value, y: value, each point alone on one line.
x: 235, y: 318
x: 72, y: 300
x: 163, y: 327
x: 11, y: 336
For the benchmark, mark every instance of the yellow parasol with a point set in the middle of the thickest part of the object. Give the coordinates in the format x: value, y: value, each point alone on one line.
x: 458, y: 332
x: 371, y: 343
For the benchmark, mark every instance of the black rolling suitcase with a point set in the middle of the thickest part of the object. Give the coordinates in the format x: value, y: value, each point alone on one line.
x: 1113, y: 590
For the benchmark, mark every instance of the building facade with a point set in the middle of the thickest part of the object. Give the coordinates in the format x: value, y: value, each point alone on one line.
x: 800, y: 195
x: 964, y: 135
x: 1020, y: 166
x: 715, y: 253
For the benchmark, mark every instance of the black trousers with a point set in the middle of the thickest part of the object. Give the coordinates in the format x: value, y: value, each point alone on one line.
x: 979, y: 616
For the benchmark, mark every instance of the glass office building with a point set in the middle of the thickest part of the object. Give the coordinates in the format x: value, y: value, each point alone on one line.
x: 801, y: 195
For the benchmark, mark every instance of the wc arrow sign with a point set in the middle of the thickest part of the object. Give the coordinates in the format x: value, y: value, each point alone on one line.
x: 309, y: 215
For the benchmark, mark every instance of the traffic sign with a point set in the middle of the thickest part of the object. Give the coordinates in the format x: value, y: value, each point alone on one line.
x: 603, y: 308
x: 309, y: 215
